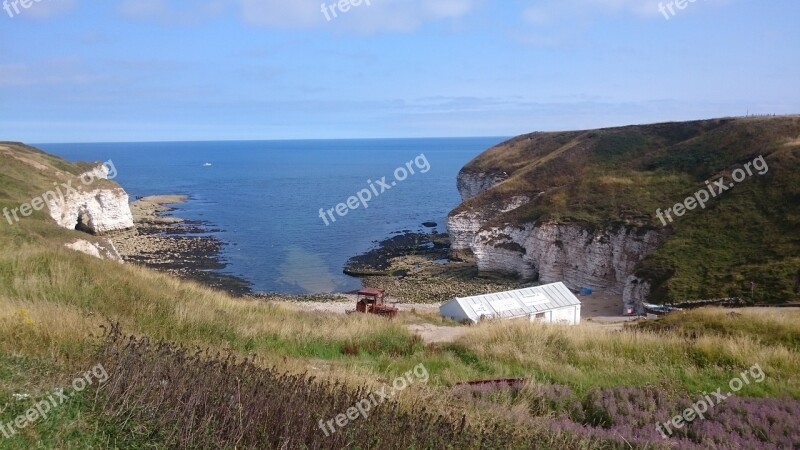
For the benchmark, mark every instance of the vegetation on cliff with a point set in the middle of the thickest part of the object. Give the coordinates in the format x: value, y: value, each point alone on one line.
x: 623, y: 176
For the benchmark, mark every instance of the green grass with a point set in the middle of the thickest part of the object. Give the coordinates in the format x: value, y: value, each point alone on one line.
x: 70, y: 425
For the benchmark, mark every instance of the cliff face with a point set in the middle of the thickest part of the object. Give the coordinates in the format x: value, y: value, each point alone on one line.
x: 586, y: 208
x: 77, y: 196
x: 464, y: 226
x: 471, y: 184
x: 549, y: 252
x: 97, y: 210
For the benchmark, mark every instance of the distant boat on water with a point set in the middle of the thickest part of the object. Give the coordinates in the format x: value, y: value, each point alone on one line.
x: 207, y: 165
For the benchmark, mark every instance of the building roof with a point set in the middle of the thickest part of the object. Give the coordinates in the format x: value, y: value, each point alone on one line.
x: 521, y: 302
x: 371, y: 292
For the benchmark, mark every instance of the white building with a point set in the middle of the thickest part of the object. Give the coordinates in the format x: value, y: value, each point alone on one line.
x: 551, y: 303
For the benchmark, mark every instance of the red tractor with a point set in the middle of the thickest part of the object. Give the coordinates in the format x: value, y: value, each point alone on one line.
x: 371, y: 301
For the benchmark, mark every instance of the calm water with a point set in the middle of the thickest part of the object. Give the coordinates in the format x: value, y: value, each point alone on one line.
x: 265, y: 197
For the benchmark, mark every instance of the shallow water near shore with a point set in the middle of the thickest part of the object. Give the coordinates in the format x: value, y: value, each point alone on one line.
x: 265, y: 197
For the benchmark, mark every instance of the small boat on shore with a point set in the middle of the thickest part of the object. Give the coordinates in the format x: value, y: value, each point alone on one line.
x: 659, y: 310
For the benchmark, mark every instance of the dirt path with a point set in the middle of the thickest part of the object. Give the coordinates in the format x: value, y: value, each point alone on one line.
x: 598, y: 309
x: 348, y: 303
x: 601, y: 305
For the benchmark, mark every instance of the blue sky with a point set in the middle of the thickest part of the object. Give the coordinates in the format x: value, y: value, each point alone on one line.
x: 149, y: 70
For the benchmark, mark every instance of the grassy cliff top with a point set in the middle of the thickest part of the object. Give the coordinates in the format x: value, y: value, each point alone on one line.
x: 622, y: 176
x: 27, y: 173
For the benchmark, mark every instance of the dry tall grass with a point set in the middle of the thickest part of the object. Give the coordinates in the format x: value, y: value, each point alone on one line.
x: 588, y: 356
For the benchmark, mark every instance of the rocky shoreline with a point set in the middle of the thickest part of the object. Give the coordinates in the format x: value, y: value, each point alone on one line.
x: 183, y: 248
x: 413, y: 267
x: 417, y: 268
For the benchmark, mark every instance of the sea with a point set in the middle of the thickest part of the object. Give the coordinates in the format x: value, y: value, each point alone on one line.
x: 263, y: 198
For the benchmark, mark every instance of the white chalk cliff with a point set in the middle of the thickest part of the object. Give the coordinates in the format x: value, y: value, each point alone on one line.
x: 602, y: 259
x: 101, y: 250
x: 465, y: 225
x: 471, y: 184
x: 94, y: 209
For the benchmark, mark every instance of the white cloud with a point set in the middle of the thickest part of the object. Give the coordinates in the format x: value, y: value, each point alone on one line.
x: 48, y: 9
x: 546, y: 12
x: 282, y: 13
x: 379, y: 15
x: 174, y: 11
x: 561, y: 23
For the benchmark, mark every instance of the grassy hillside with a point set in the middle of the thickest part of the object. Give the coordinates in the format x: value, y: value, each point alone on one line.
x: 54, y: 304
x: 622, y: 176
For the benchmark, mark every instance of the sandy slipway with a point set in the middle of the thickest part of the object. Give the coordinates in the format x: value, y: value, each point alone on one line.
x: 179, y: 247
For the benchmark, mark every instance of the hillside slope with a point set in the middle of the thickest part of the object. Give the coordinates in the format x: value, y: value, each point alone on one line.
x: 590, y: 208
x: 53, y: 303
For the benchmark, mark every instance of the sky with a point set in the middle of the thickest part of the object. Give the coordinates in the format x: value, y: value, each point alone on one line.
x: 172, y: 70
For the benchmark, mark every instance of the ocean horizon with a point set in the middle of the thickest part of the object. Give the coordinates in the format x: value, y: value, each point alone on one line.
x: 291, y: 212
